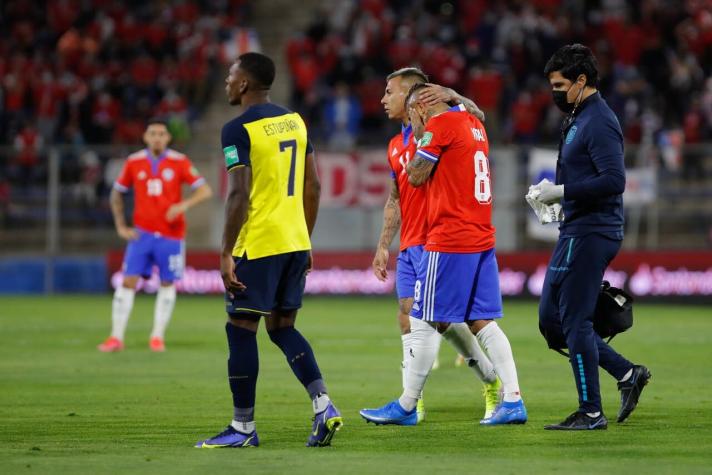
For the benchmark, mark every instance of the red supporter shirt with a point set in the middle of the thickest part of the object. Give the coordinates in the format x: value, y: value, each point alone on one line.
x: 459, y: 191
x: 157, y: 185
x: 412, y: 200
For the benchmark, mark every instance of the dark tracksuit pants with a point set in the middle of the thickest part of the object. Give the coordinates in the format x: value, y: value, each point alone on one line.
x: 568, y: 301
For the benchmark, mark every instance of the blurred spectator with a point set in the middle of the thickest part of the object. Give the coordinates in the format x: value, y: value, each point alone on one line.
x: 90, y: 177
x: 5, y: 192
x: 342, y: 115
x: 105, y: 114
x: 28, y: 146
x: 174, y: 109
x: 48, y: 94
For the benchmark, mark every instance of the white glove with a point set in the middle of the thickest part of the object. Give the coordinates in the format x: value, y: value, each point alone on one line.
x: 547, y: 213
x: 549, y: 193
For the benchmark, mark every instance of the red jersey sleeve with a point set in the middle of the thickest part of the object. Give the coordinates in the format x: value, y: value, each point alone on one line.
x: 125, y: 179
x: 435, y: 138
x: 393, y: 155
x: 190, y: 175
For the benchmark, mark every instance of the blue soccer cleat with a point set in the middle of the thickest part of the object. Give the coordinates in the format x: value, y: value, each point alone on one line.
x: 229, y: 438
x: 391, y: 413
x: 325, y: 425
x: 507, y: 413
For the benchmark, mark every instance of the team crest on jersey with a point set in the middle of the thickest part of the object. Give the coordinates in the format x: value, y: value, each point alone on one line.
x: 168, y: 174
x: 572, y: 133
x: 231, y: 157
x: 142, y: 175
x: 425, y: 139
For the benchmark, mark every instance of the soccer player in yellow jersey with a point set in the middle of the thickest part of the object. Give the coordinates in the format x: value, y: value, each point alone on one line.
x: 270, y: 213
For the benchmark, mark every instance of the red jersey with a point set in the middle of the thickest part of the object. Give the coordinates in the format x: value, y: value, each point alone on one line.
x: 459, y: 191
x: 157, y: 185
x: 413, y: 208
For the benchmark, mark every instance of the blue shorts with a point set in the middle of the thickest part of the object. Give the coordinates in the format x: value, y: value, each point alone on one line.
x: 457, y: 287
x: 407, y: 271
x: 273, y: 283
x: 153, y: 249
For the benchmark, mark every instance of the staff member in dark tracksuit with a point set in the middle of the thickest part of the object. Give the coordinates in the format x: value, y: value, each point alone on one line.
x: 590, y: 179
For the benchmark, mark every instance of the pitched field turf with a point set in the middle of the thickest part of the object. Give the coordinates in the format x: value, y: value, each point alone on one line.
x: 66, y: 408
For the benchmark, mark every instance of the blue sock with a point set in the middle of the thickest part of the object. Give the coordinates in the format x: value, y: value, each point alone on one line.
x: 300, y: 358
x: 242, y: 368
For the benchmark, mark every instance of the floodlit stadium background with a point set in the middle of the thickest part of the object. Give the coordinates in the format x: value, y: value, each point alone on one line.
x: 79, y: 79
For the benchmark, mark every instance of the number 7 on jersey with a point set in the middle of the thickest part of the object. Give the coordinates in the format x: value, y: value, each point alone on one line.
x: 282, y: 147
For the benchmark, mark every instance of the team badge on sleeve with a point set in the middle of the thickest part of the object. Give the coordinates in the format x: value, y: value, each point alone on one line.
x: 231, y: 157
x: 425, y: 140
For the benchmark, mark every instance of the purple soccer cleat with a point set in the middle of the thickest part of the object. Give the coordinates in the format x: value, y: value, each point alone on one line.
x: 325, y: 425
x: 229, y: 438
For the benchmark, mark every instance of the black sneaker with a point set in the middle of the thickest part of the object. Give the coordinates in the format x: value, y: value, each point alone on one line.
x: 630, y: 391
x: 581, y: 421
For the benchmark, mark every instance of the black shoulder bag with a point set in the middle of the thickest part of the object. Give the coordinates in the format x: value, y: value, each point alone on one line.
x: 613, y: 315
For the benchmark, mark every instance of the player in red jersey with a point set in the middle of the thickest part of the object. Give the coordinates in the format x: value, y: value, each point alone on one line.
x: 458, y: 278
x: 406, y: 208
x: 156, y: 175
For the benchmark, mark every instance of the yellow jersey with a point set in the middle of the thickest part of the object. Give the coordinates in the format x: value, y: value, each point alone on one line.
x: 272, y: 141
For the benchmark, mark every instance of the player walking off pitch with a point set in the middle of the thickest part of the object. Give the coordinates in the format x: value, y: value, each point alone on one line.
x: 406, y: 209
x: 458, y: 278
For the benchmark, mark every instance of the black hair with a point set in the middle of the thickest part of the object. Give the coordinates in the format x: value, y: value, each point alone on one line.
x: 415, y: 88
x: 409, y: 73
x: 573, y: 60
x: 157, y: 121
x: 259, y: 67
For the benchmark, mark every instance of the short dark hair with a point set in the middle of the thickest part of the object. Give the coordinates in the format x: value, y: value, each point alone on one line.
x: 409, y: 73
x: 415, y: 88
x: 573, y: 60
x: 259, y: 67
x: 157, y: 121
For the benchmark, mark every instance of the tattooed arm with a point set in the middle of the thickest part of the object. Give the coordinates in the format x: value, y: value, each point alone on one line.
x: 391, y: 224
x: 419, y: 170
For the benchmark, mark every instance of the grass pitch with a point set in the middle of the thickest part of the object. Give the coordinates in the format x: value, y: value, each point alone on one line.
x: 66, y: 408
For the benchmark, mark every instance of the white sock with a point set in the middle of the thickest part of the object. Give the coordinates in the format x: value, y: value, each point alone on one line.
x: 243, y: 427
x: 496, y: 344
x: 121, y: 311
x: 165, y: 301
x: 465, y: 343
x: 320, y: 403
x: 627, y: 375
x: 425, y: 344
x: 405, y: 339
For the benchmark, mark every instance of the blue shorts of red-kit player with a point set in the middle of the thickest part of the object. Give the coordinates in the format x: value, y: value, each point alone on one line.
x: 152, y: 249
x: 407, y: 271
x: 455, y: 287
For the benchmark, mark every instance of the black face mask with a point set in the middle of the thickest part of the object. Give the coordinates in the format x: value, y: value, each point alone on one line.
x: 561, y: 102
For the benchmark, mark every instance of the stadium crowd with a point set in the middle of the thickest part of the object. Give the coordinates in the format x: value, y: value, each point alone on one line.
x: 655, y: 58
x: 77, y: 72
x: 92, y: 71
